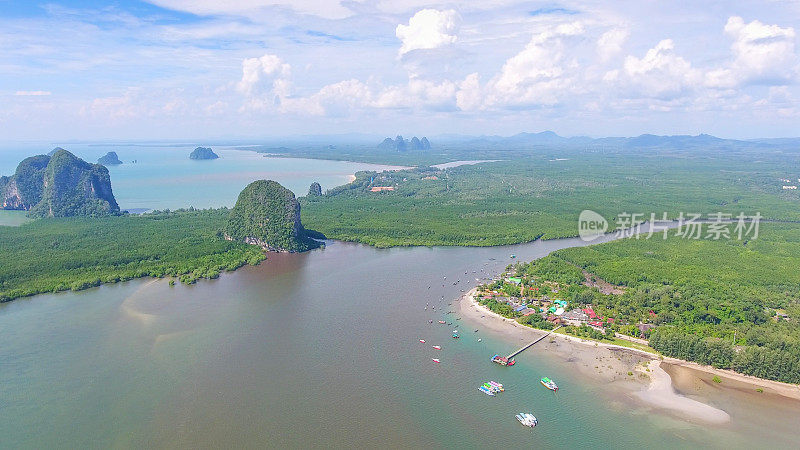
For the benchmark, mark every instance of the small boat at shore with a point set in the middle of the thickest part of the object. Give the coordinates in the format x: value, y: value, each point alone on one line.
x: 503, y: 361
x: 437, y: 347
x: 527, y: 419
x: 549, y: 384
x: 435, y: 360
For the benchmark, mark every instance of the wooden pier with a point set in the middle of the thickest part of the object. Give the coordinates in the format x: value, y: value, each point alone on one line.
x: 531, y: 344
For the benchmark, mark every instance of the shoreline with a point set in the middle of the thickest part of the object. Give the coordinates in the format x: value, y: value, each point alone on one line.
x: 653, y: 381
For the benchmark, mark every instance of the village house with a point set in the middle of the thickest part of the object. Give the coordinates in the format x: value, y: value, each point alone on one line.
x: 381, y: 188
x: 576, y: 317
x: 644, y: 328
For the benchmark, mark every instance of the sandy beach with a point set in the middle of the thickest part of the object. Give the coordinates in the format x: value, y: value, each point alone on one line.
x: 660, y: 393
x: 647, y: 377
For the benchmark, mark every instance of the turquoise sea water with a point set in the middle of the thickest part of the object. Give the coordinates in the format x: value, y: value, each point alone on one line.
x: 164, y: 176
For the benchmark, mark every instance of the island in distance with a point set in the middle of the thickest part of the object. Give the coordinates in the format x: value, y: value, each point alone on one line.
x: 268, y: 215
x: 203, y: 153
x: 61, y: 185
x: 109, y: 159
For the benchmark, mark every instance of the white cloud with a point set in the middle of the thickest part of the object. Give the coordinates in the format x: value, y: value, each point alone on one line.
x: 610, y: 43
x: 266, y: 68
x: 337, y: 99
x: 428, y: 29
x: 762, y: 54
x: 329, y: 9
x: 659, y: 74
x: 539, y: 73
x: 469, y: 96
x: 32, y: 93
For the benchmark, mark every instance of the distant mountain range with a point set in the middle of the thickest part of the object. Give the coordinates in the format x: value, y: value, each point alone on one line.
x: 677, y: 142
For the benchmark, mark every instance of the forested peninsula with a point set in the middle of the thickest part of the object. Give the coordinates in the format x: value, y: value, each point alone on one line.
x: 729, y: 303
x: 81, y: 240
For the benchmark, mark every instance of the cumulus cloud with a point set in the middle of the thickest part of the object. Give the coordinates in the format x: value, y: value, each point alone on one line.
x: 469, y: 96
x: 428, y: 29
x: 337, y: 99
x: 256, y: 71
x: 610, y: 43
x: 538, y: 74
x: 564, y: 64
x: 762, y: 54
x: 659, y: 74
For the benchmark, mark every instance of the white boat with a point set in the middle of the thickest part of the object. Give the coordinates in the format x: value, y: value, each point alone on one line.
x: 527, y: 419
x: 497, y: 386
x: 435, y: 360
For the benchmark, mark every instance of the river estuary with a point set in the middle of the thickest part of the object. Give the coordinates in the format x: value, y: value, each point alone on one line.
x: 316, y: 350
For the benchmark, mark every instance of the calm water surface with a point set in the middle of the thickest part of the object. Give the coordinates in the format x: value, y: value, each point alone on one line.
x: 165, y: 177
x: 318, y: 349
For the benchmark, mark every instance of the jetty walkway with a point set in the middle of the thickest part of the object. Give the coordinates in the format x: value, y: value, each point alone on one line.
x: 531, y: 344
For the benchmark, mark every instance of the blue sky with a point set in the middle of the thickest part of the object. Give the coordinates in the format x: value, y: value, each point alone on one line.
x: 259, y: 68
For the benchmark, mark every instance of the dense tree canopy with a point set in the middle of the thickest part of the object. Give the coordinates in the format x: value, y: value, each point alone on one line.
x: 267, y: 214
x: 51, y: 255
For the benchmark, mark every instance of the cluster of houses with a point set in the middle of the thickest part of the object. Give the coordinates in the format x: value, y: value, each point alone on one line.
x: 553, y: 310
x: 789, y: 186
x: 556, y: 310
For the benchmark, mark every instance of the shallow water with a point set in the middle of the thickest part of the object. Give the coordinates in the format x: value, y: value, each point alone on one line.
x: 318, y: 349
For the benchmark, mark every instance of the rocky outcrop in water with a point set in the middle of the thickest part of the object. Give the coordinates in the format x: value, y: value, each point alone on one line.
x: 61, y: 185
x: 268, y: 215
x: 203, y: 153
x: 109, y: 159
